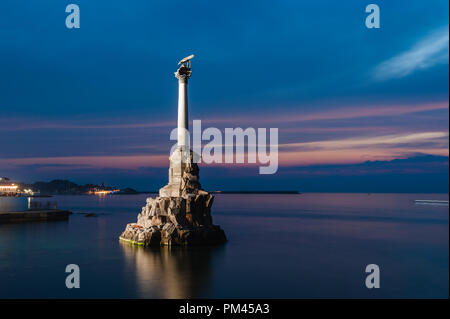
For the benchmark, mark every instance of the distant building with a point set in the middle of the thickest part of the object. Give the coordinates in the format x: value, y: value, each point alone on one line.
x: 7, y: 188
x: 102, y: 191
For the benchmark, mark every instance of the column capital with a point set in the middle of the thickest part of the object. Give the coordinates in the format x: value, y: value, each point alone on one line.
x: 183, y: 73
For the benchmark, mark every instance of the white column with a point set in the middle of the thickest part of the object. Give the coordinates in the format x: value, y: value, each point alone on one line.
x: 182, y: 111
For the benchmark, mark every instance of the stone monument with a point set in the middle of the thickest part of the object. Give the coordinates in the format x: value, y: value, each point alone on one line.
x: 181, y: 214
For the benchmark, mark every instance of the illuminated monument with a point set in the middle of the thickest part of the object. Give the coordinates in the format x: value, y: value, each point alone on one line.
x: 181, y: 214
x: 181, y: 159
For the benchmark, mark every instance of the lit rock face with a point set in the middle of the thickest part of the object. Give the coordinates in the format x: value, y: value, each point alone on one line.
x: 181, y: 215
x: 192, y: 211
x: 182, y: 220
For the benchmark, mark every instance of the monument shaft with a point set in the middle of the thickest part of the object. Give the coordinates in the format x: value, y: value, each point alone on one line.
x: 183, y: 124
x: 180, y: 158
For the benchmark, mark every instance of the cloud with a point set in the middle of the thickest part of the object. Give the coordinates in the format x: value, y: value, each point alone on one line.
x: 356, y: 150
x: 124, y: 162
x: 428, y: 52
x: 25, y: 124
x: 339, y: 151
x: 348, y: 134
x: 338, y: 113
x: 372, y: 142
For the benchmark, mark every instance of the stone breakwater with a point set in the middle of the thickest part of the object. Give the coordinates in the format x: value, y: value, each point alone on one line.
x: 34, y: 215
x: 175, y: 221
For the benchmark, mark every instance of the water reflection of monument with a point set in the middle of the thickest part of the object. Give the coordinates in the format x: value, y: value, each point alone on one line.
x: 177, y: 272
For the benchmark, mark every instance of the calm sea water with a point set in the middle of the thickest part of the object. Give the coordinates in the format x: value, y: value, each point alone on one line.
x: 280, y: 246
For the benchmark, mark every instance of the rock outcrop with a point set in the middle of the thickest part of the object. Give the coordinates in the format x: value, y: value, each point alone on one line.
x: 177, y: 220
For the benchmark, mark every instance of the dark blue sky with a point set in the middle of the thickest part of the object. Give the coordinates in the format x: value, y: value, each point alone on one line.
x: 311, y: 68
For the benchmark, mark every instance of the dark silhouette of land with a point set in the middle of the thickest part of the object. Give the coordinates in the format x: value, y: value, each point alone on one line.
x: 66, y: 187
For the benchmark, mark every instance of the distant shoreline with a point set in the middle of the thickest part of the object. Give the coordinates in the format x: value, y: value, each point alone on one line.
x: 234, y: 192
x: 256, y: 192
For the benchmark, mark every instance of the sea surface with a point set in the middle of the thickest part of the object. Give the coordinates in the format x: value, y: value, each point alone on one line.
x: 280, y: 246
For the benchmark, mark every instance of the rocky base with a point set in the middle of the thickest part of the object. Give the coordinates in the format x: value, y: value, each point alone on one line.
x: 169, y: 235
x: 175, y: 221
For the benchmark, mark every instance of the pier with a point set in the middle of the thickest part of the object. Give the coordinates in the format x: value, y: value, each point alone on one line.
x: 34, y: 215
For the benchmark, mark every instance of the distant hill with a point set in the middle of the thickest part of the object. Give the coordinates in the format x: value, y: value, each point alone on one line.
x: 66, y: 187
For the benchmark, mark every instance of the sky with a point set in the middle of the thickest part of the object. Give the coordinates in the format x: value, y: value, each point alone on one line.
x: 357, y: 109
